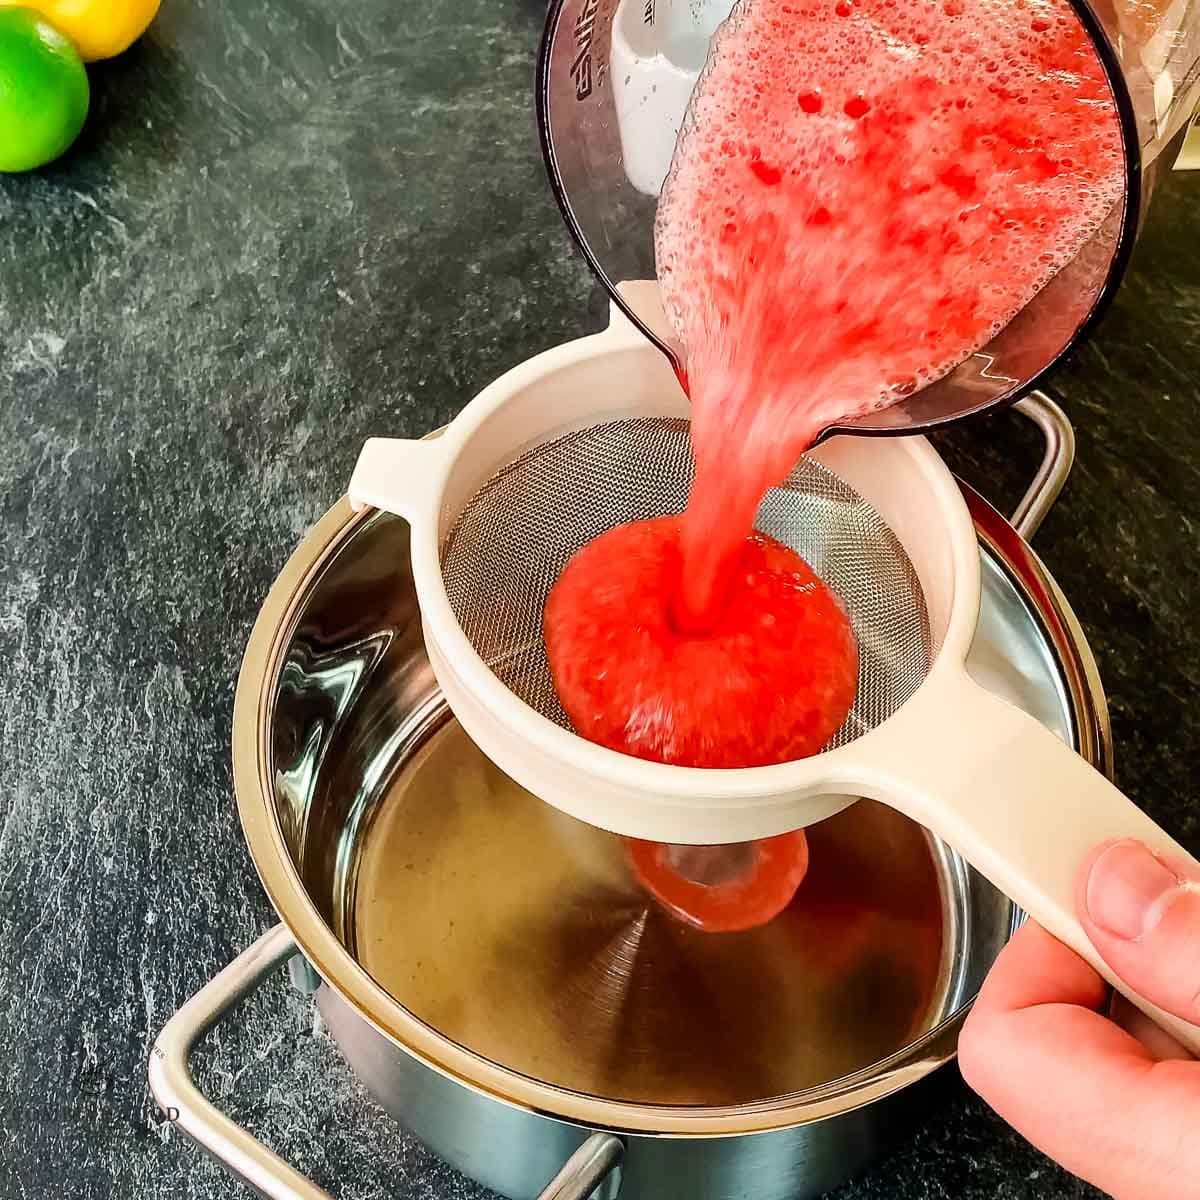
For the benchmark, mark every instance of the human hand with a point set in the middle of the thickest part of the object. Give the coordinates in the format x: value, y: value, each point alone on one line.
x: 1117, y: 1104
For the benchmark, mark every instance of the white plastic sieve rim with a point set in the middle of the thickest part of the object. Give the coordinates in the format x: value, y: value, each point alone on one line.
x: 668, y: 783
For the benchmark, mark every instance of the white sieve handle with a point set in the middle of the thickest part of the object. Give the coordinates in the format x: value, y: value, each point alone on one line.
x: 1015, y: 801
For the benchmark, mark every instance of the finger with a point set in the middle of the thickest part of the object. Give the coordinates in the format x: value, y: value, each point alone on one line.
x: 1049, y: 972
x: 1160, y: 1043
x: 1078, y: 1087
x: 1035, y: 968
x: 1142, y: 913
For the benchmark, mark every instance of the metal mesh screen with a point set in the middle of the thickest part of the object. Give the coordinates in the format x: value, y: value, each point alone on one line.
x: 512, y: 540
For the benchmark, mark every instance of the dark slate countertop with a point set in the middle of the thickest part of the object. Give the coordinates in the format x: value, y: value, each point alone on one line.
x: 289, y: 225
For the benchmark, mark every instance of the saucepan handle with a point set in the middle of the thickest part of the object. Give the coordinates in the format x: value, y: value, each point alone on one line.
x: 242, y: 1154
x: 175, y: 1091
x: 1057, y: 461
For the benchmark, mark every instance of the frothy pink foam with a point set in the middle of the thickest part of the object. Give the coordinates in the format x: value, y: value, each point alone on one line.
x: 866, y: 192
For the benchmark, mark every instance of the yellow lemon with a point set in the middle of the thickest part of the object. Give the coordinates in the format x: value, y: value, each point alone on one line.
x: 99, y: 28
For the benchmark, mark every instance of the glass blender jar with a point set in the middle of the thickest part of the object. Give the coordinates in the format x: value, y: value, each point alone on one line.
x: 614, y: 81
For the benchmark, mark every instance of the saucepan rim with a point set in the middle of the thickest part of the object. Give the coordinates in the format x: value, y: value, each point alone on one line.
x: 274, y: 629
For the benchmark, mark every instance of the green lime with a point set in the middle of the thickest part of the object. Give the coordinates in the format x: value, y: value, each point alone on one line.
x: 43, y: 91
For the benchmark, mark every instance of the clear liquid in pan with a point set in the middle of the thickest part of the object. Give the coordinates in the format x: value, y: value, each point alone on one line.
x: 518, y: 933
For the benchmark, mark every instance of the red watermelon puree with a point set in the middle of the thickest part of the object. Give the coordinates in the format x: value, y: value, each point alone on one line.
x: 865, y: 193
x: 771, y: 680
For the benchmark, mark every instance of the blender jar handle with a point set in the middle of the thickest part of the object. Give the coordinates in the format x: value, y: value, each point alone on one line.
x: 598, y: 1158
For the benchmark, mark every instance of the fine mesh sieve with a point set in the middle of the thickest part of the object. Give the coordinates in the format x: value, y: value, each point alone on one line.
x: 882, y: 520
x: 513, y: 538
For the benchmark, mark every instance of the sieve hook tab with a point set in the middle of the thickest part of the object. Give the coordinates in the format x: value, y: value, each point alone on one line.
x: 397, y: 475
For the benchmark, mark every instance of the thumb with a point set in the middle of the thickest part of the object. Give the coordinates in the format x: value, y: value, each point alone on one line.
x: 1142, y: 913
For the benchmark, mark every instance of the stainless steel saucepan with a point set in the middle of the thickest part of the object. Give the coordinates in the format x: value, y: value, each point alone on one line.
x: 494, y: 977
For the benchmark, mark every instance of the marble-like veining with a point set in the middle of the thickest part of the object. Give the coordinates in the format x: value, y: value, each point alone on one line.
x: 287, y: 226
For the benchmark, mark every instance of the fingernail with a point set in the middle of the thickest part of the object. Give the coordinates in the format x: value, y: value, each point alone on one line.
x: 1126, y: 890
